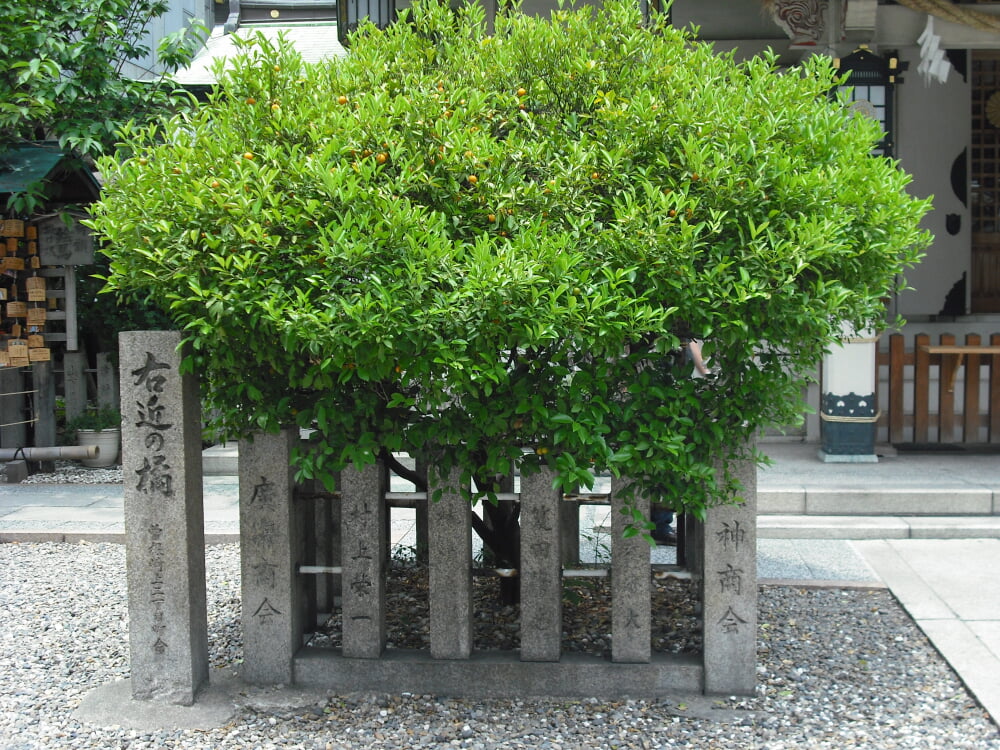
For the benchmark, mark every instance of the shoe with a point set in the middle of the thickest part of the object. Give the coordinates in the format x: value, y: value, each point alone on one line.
x: 669, y: 539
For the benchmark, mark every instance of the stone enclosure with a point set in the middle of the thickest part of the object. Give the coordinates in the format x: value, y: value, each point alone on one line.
x: 306, y: 555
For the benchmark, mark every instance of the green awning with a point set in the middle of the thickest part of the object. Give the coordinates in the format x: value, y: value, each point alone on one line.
x: 67, y: 177
x: 25, y: 165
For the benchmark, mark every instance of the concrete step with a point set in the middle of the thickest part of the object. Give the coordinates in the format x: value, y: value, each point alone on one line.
x: 877, y: 527
x: 877, y: 499
x: 221, y: 460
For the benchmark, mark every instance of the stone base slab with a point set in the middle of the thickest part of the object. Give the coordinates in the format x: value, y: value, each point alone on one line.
x: 498, y: 674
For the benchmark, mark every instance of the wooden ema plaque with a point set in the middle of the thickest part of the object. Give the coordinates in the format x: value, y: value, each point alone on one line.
x: 39, y: 355
x: 36, y: 289
x: 17, y: 309
x: 12, y: 228
x: 31, y: 232
x: 36, y: 341
x: 37, y: 316
x: 12, y: 263
x: 17, y: 348
x: 11, y: 244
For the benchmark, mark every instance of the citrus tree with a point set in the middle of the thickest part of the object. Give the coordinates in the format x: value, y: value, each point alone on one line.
x: 486, y: 249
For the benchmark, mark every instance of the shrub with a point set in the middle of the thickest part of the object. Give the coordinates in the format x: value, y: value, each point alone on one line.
x: 487, y: 249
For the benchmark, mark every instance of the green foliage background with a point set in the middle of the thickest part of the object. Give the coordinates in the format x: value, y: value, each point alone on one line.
x: 61, y: 64
x: 485, y: 249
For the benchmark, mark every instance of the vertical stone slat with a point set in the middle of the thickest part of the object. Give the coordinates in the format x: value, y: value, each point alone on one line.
x: 107, y: 381
x: 164, y: 519
x: 422, y: 523
x: 307, y: 504
x: 323, y: 529
x: 729, y: 587
x: 541, y: 568
x: 45, y: 409
x: 630, y: 583
x: 569, y: 531
x: 272, y: 591
x: 450, y: 557
x: 13, y: 412
x: 74, y: 383
x: 336, y: 539
x: 363, y: 545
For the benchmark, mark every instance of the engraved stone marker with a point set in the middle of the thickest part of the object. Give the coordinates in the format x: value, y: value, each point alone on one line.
x: 729, y: 541
x: 541, y: 568
x: 450, y: 569
x: 272, y: 590
x: 363, y: 559
x: 630, y: 584
x: 164, y: 519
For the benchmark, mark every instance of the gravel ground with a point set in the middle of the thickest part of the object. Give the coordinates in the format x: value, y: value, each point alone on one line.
x: 72, y: 472
x: 837, y: 669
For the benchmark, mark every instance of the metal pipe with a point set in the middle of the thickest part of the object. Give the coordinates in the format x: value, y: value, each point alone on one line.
x: 320, y: 570
x: 72, y: 452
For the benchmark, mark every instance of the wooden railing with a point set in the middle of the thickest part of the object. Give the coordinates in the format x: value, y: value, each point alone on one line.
x: 956, y: 409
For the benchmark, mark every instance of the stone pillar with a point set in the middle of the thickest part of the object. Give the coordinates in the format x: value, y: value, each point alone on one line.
x: 422, y: 525
x: 326, y: 519
x: 45, y: 409
x: 541, y: 568
x: 450, y: 557
x: 13, y: 414
x: 272, y: 590
x: 729, y: 590
x: 107, y: 381
x: 74, y: 383
x: 630, y: 583
x: 569, y: 531
x: 164, y: 519
x: 363, y: 560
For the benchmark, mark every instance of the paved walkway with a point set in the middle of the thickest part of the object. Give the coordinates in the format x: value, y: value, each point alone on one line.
x: 927, y: 526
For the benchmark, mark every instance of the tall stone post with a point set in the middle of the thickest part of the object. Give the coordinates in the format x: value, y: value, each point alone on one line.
x: 541, y: 568
x: 269, y: 533
x: 45, y: 409
x: 363, y: 560
x: 74, y: 383
x: 13, y: 414
x: 107, y: 382
x: 450, y: 557
x: 326, y: 552
x: 729, y: 590
x: 164, y: 519
x: 630, y: 583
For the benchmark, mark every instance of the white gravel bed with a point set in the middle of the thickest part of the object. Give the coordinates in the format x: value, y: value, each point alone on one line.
x: 72, y: 472
x: 837, y: 669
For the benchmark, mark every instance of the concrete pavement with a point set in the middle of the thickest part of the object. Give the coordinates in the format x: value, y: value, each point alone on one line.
x: 926, y: 526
